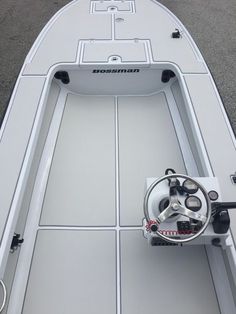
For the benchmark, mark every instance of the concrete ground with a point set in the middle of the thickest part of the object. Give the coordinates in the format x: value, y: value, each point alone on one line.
x: 212, y: 24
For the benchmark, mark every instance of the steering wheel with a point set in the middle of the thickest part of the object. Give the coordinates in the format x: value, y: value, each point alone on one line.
x: 175, y: 207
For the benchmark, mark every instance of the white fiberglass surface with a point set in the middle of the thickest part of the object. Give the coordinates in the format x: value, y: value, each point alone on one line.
x: 90, y: 254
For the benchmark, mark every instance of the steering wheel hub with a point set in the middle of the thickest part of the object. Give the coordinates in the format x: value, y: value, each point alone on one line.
x: 175, y: 206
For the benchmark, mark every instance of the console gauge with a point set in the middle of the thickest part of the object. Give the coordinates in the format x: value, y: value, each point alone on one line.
x: 193, y: 203
x: 213, y: 195
x: 190, y: 187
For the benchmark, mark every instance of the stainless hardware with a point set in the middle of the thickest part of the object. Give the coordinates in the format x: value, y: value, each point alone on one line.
x: 4, y: 295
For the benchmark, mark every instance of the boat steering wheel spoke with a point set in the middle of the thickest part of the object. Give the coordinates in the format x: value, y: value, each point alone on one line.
x: 165, y: 214
x: 190, y: 214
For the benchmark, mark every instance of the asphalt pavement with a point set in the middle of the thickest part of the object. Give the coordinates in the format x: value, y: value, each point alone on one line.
x: 212, y: 24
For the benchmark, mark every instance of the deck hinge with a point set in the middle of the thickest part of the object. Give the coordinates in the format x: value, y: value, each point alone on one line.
x: 16, y: 242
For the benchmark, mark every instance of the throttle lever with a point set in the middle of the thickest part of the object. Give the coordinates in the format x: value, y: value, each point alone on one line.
x: 220, y: 206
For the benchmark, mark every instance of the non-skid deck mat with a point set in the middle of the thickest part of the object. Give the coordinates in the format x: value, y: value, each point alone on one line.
x: 81, y: 189
x: 164, y: 279
x: 147, y: 146
x: 84, y: 271
x: 81, y: 184
x: 72, y: 272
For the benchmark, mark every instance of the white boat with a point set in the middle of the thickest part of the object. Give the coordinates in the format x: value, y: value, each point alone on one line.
x: 117, y: 165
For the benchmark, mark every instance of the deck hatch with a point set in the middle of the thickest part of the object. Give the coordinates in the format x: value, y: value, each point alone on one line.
x: 114, y: 52
x: 112, y: 6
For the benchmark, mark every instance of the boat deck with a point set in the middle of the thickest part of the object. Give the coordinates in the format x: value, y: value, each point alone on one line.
x: 90, y: 254
x: 82, y: 161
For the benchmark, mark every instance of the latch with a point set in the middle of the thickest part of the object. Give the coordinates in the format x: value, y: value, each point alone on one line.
x: 176, y: 34
x: 233, y: 178
x: 16, y: 242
